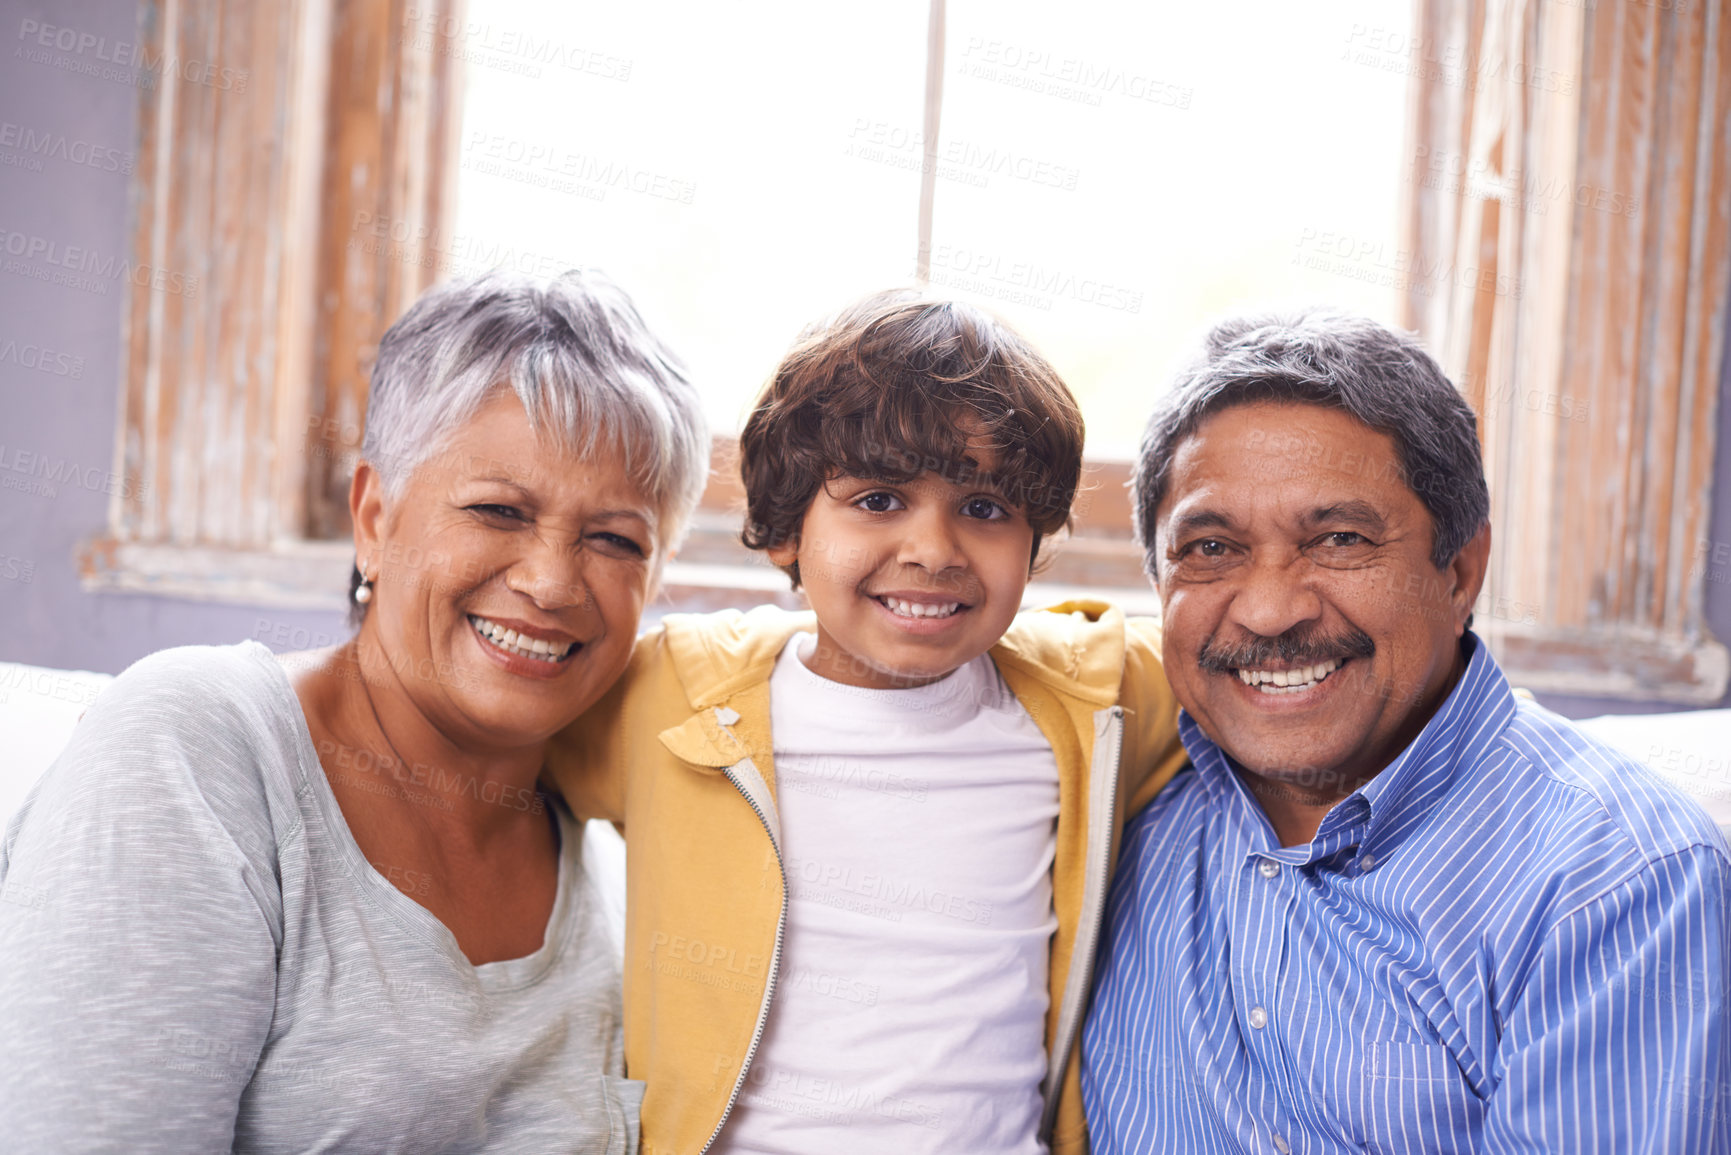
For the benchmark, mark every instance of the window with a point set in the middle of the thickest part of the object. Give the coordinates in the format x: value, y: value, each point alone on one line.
x: 1539, y: 192
x: 1103, y: 176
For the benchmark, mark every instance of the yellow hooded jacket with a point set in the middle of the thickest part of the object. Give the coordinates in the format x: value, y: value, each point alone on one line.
x: 679, y: 751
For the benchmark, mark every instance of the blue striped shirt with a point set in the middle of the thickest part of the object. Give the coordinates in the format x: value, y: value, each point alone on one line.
x: 1512, y: 939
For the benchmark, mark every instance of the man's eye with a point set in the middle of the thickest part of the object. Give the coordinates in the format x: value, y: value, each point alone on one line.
x: 1208, y: 548
x: 1345, y: 539
x: 985, y: 509
x: 879, y: 503
x: 501, y: 512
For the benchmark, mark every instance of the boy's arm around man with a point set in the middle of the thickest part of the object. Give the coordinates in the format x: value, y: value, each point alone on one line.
x: 694, y: 700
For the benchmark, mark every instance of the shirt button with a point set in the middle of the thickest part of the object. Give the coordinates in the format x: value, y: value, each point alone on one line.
x: 1258, y: 1018
x: 1366, y: 861
x: 1268, y: 869
x: 1281, y: 1146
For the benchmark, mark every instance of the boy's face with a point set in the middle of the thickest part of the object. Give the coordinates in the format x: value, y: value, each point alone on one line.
x: 910, y: 580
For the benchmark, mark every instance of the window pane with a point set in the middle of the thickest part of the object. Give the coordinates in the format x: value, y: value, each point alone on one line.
x: 1114, y: 176
x: 1111, y: 176
x: 706, y: 156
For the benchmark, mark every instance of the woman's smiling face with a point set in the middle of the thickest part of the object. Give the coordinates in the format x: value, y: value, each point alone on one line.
x: 508, y: 578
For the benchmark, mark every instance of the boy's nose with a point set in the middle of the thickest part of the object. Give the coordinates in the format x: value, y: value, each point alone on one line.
x: 931, y: 543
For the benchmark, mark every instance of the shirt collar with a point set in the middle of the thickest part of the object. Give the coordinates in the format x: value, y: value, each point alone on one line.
x: 1384, y: 809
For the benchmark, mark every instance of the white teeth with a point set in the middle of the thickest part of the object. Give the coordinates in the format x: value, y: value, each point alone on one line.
x: 520, y: 644
x: 904, y: 609
x: 1288, y: 681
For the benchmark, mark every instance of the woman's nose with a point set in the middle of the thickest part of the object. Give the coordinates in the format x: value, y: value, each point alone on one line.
x: 554, y: 576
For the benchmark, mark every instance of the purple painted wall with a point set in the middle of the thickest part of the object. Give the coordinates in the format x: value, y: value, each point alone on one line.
x: 58, y: 413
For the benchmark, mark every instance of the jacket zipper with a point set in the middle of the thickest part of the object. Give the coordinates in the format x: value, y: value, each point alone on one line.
x: 1106, y: 757
x: 774, y: 961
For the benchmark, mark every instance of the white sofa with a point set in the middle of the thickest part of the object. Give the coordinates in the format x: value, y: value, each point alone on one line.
x: 39, y: 707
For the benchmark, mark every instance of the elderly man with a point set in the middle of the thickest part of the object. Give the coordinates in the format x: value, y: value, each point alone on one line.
x: 1391, y: 907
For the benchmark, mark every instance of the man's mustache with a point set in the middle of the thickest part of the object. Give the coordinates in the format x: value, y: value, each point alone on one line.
x: 1297, y: 647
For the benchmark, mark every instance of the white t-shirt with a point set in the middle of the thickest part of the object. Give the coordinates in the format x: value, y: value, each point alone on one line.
x: 918, y: 828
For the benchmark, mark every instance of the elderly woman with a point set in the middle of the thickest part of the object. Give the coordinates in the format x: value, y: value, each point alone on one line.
x: 321, y: 905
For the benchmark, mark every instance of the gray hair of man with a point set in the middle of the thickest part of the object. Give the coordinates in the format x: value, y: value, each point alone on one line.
x: 578, y: 356
x: 1324, y: 357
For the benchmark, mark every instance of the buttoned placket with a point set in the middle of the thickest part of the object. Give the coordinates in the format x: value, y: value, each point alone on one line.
x: 1263, y: 903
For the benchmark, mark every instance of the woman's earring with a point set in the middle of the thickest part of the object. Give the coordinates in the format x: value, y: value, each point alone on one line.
x: 364, y: 591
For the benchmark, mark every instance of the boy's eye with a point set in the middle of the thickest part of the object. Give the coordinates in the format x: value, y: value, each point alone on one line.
x: 985, y: 509
x: 879, y: 503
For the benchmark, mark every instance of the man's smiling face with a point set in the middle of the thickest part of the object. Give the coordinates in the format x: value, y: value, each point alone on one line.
x: 1306, y: 629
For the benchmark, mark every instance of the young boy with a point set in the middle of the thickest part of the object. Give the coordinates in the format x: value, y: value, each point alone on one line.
x: 868, y: 847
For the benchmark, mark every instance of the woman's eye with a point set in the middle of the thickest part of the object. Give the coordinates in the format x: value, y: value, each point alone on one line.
x: 879, y: 503
x: 505, y: 512
x: 620, y: 544
x: 985, y: 509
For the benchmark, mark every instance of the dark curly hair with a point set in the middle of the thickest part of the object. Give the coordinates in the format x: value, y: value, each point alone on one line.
x: 896, y: 386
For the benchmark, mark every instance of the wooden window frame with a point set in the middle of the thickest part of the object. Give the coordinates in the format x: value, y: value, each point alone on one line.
x: 270, y: 381
x: 1569, y: 168
x: 283, y: 199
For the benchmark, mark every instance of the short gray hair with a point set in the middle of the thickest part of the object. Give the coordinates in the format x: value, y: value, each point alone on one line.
x: 1382, y: 377
x: 577, y: 355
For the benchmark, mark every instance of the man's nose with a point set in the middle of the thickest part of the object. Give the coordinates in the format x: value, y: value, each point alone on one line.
x: 1273, y: 597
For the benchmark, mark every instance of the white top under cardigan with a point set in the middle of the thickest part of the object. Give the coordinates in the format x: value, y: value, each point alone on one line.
x: 918, y: 830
